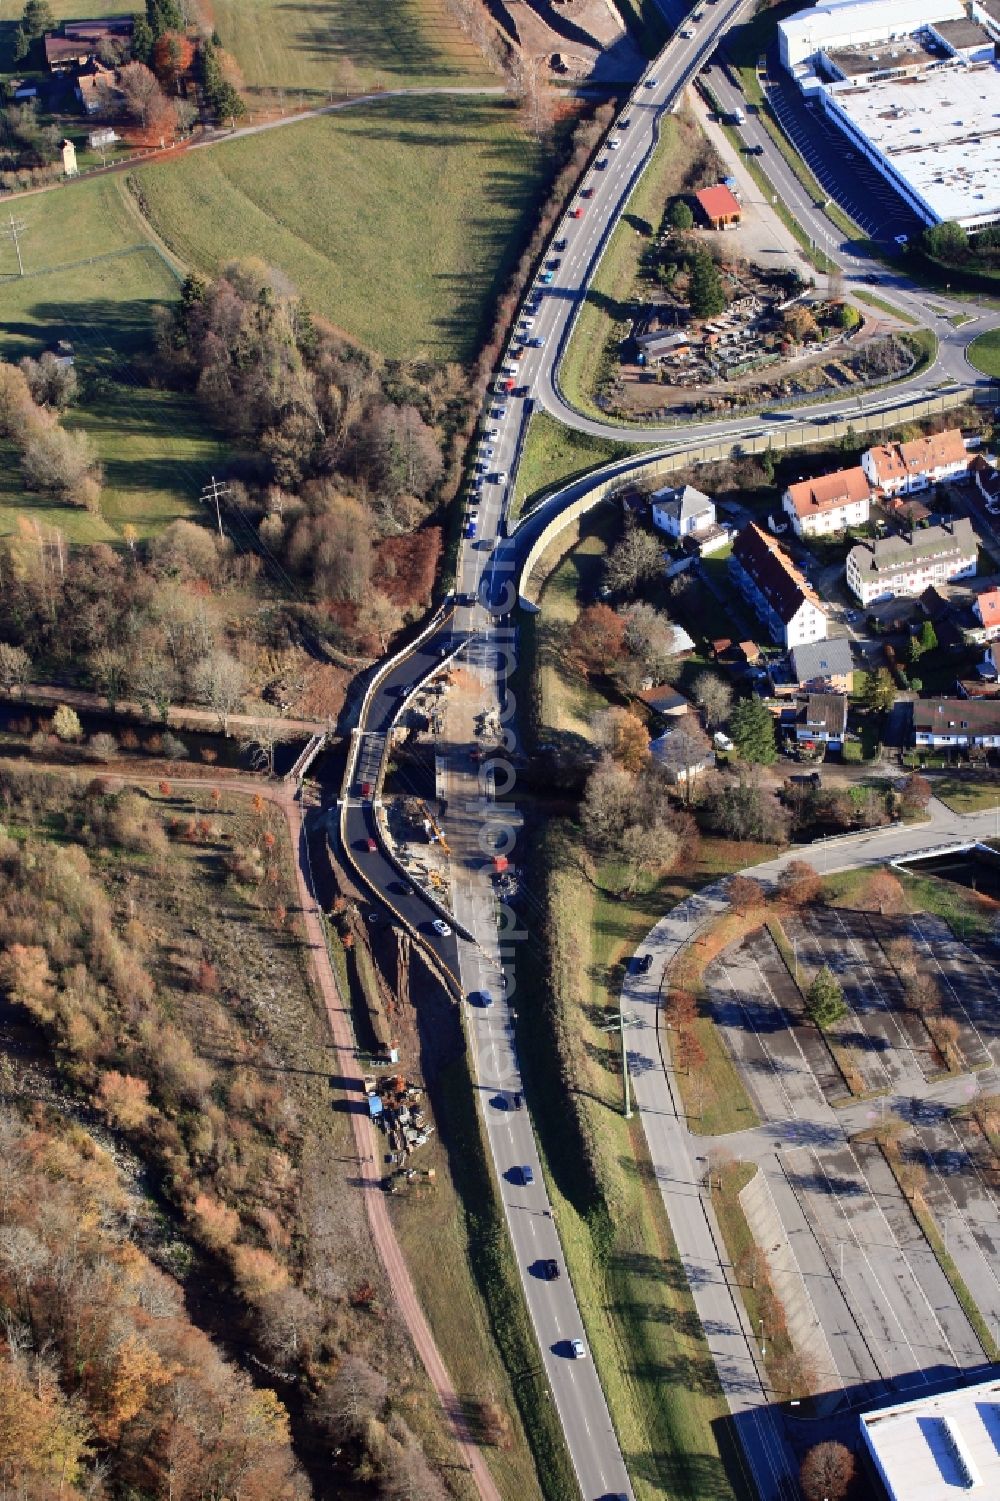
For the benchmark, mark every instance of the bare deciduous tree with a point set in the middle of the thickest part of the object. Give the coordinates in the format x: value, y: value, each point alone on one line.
x: 263, y: 739
x: 637, y: 558
x: 827, y: 1472
x: 15, y: 665
x: 220, y: 681
x: 713, y: 696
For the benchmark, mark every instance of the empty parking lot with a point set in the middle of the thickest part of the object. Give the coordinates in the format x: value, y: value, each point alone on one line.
x: 889, y: 1316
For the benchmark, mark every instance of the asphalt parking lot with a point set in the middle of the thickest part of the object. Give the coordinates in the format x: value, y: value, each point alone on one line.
x: 880, y: 1312
x: 846, y: 175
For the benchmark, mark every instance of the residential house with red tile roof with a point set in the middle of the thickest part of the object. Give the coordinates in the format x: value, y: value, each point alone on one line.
x: 898, y: 468
x: 986, y: 608
x: 829, y: 503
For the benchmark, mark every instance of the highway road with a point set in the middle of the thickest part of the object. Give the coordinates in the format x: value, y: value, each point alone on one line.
x: 486, y: 572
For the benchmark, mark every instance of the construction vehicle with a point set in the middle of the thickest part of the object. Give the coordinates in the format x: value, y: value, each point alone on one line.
x: 434, y: 831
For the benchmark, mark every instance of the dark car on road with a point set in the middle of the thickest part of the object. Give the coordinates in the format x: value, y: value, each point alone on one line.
x: 550, y: 1270
x: 643, y: 964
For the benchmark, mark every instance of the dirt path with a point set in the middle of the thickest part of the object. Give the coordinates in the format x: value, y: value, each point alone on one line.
x: 368, y: 1148
x: 41, y: 695
x: 365, y: 1139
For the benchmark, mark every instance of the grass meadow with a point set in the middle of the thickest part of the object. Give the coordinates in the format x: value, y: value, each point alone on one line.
x: 313, y: 47
x: 94, y: 279
x: 398, y: 222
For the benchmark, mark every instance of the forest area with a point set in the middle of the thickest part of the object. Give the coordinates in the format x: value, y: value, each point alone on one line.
x: 192, y: 1307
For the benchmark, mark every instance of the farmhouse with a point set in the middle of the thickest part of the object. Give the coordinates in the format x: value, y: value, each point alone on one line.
x: 898, y: 468
x: 956, y: 721
x: 719, y: 206
x: 907, y: 565
x: 775, y: 589
x: 830, y: 503
x: 96, y: 88
x: 79, y: 41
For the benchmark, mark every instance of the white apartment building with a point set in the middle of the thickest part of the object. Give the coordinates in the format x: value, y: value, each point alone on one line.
x: 907, y: 565
x: 776, y: 590
x: 829, y: 503
x: 902, y: 468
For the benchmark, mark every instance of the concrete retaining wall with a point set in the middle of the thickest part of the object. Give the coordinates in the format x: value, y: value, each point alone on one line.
x: 615, y: 477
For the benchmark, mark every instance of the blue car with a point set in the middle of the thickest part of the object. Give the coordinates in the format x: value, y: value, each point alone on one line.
x: 470, y: 529
x: 527, y: 1176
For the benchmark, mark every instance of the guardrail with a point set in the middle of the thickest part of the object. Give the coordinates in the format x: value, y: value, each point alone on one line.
x: 705, y: 49
x: 612, y: 478
x: 441, y: 614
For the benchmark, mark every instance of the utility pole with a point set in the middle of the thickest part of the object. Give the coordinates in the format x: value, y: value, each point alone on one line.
x: 619, y: 1027
x: 12, y: 229
x: 214, y: 492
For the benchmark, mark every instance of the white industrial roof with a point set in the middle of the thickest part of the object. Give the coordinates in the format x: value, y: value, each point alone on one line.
x: 937, y: 1448
x: 941, y: 132
x: 841, y: 23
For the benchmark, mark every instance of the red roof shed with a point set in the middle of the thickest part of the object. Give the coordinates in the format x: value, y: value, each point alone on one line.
x: 719, y: 206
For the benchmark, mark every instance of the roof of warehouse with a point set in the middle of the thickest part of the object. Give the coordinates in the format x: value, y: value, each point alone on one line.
x: 924, y: 1445
x: 940, y: 132
x: 839, y: 20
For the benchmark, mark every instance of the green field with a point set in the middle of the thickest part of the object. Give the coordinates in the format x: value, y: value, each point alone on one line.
x: 640, y: 1322
x: 398, y: 222
x: 984, y: 353
x: 554, y: 454
x: 94, y: 279
x: 318, y: 46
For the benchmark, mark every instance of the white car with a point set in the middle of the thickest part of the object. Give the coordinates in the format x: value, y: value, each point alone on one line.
x: 528, y: 322
x: 500, y: 478
x: 441, y: 927
x: 493, y: 432
x: 578, y: 1348
x: 487, y: 450
x: 614, y: 143
x: 687, y: 33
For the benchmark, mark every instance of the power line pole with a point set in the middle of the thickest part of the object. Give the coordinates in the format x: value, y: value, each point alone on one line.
x: 214, y: 492
x: 12, y: 229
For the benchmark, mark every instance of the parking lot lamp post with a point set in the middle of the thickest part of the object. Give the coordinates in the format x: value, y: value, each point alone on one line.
x: 763, y: 1345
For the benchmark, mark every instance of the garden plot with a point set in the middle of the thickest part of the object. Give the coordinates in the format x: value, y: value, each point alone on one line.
x: 911, y: 1320
x: 888, y: 1046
